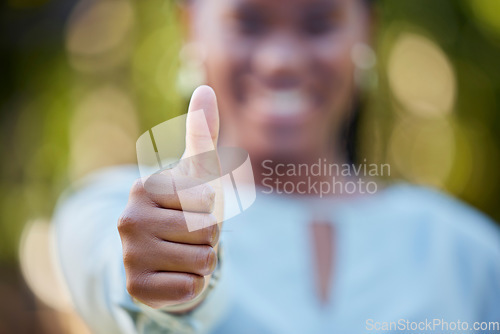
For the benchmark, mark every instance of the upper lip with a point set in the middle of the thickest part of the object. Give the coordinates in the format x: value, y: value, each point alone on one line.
x: 282, y: 83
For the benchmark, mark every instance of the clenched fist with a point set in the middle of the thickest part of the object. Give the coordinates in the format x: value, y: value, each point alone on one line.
x: 165, y: 263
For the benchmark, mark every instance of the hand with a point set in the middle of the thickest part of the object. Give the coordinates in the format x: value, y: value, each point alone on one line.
x: 165, y: 264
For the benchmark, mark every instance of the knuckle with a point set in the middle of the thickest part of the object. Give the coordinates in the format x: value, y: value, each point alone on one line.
x: 161, y: 183
x: 130, y: 256
x: 137, y: 188
x: 132, y: 287
x: 137, y: 285
x: 127, y: 221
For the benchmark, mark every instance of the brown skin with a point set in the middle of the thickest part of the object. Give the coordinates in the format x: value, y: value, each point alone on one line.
x: 254, y: 49
x: 165, y: 264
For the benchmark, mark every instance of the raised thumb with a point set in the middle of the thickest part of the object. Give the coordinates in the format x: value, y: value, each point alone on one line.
x: 202, y: 122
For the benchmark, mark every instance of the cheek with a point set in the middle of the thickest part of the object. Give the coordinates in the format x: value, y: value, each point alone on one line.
x: 335, y: 58
x: 222, y: 71
x: 226, y: 61
x: 334, y: 65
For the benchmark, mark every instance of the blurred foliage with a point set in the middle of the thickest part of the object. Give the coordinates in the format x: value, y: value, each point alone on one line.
x: 467, y: 34
x: 80, y: 81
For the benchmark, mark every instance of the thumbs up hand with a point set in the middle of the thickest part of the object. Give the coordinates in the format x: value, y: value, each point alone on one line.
x: 169, y: 229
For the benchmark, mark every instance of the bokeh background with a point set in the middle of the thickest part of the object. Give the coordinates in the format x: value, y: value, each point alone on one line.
x: 81, y: 80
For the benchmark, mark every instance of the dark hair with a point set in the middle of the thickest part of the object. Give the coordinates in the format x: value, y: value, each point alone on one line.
x: 351, y: 131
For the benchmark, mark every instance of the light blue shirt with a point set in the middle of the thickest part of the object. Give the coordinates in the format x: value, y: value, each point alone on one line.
x: 406, y: 256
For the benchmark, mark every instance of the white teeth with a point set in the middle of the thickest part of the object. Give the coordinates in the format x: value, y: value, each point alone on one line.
x: 288, y: 102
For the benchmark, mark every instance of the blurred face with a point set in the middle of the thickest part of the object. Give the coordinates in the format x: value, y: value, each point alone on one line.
x: 282, y: 71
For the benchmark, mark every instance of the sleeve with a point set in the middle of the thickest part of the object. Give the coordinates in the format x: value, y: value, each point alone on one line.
x: 90, y: 255
x: 491, y: 312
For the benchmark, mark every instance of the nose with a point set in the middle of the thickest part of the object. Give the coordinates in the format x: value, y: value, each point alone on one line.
x: 281, y: 59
